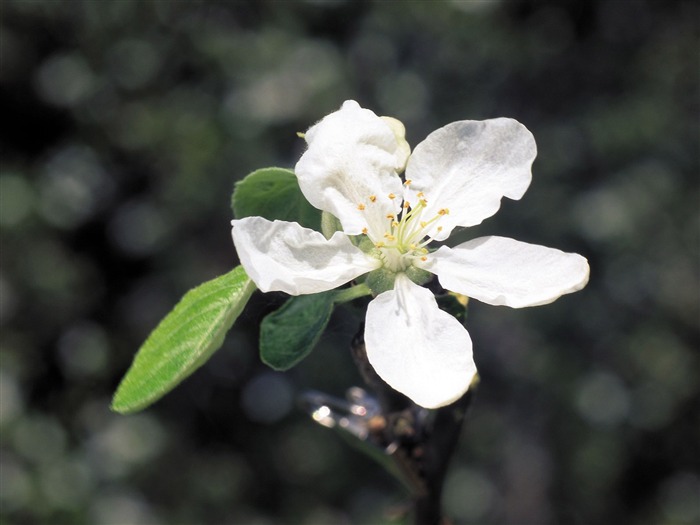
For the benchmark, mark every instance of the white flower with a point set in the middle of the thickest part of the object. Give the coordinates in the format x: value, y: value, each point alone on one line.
x: 455, y: 177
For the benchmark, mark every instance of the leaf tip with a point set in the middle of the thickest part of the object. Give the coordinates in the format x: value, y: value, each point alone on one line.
x: 120, y: 406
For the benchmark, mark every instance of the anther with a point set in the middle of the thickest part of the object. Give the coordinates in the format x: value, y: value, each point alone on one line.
x: 379, y: 244
x: 406, y: 204
x: 420, y: 195
x: 444, y: 211
x: 372, y: 198
x: 389, y: 237
x: 424, y: 258
x: 364, y: 230
x: 391, y: 216
x: 392, y: 196
x: 361, y: 207
x: 408, y: 182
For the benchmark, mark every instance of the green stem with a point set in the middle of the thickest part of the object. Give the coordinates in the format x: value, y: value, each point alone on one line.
x: 348, y: 294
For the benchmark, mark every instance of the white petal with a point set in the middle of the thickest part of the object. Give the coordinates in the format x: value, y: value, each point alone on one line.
x: 353, y: 155
x: 418, y: 349
x: 283, y: 256
x: 467, y: 167
x: 502, y: 271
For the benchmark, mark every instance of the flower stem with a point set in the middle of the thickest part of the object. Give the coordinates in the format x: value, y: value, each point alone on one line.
x: 348, y: 294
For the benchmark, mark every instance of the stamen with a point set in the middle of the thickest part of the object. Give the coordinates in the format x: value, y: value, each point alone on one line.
x: 361, y: 207
x: 406, y: 237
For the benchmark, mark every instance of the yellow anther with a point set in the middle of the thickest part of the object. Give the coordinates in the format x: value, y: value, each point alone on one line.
x: 412, y: 246
x: 379, y: 244
x: 406, y: 204
x: 439, y: 228
x: 423, y: 224
x: 392, y: 196
x: 391, y: 216
x: 372, y: 198
x: 420, y: 195
x: 364, y: 230
x: 444, y: 211
x: 461, y: 299
x: 408, y: 182
x: 424, y: 258
x: 361, y: 207
x: 394, y: 224
x: 389, y: 237
x: 423, y: 202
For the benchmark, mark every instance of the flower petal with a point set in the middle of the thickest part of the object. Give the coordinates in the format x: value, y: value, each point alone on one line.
x: 418, y: 349
x: 283, y: 256
x: 467, y: 167
x: 350, y: 167
x: 502, y: 271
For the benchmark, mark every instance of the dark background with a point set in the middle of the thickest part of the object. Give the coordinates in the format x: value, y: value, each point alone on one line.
x: 124, y: 127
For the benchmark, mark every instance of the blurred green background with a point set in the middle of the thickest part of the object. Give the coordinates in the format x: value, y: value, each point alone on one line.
x: 124, y: 127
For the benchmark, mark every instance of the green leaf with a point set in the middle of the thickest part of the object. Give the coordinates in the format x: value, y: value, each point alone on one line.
x: 273, y: 193
x: 184, y: 340
x: 288, y: 335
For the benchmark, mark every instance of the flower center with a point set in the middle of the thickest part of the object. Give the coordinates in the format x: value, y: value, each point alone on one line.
x: 402, y: 239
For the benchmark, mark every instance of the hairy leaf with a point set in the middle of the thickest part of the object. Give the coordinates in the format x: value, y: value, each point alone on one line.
x: 288, y: 335
x: 184, y: 340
